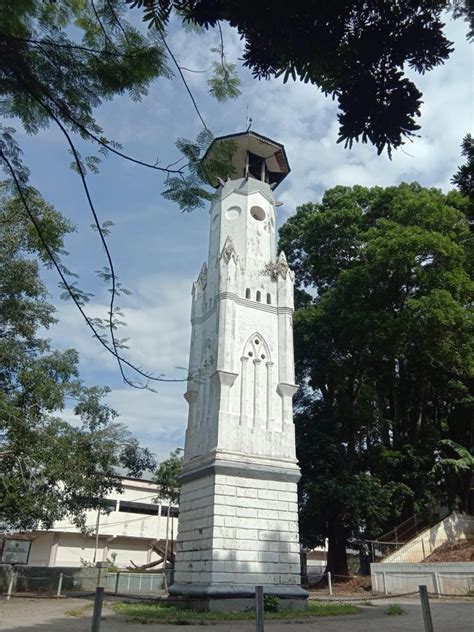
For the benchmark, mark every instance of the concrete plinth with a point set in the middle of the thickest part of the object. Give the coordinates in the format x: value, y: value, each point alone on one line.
x: 233, y: 598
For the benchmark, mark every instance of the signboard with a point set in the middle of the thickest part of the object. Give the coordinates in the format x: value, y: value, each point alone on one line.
x: 15, y: 551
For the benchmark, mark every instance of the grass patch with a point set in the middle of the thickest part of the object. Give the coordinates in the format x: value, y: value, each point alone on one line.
x: 77, y: 612
x: 395, y: 610
x: 144, y: 612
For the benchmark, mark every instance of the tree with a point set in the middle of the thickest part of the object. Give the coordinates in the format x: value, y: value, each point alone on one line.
x: 166, y: 477
x: 357, y: 52
x: 384, y: 347
x: 464, y: 177
x: 461, y: 469
x: 50, y: 77
x: 61, y: 60
x: 49, y: 468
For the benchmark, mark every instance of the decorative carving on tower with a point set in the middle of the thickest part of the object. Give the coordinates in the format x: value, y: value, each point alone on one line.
x: 228, y: 251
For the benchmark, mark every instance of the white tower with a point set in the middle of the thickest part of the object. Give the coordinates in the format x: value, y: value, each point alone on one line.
x: 238, y: 524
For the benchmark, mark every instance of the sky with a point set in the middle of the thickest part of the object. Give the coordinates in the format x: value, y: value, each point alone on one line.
x: 158, y: 251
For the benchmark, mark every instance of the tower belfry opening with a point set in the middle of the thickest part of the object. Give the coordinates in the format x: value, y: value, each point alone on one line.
x: 256, y: 167
x: 254, y: 156
x: 238, y: 508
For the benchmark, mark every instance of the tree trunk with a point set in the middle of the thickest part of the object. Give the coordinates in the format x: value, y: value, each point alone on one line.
x: 144, y: 567
x: 337, y: 557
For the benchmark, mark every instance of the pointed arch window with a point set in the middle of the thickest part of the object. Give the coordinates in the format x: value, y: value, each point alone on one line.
x: 256, y: 384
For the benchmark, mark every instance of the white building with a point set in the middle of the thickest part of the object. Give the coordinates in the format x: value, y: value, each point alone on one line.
x: 127, y: 533
x: 238, y: 506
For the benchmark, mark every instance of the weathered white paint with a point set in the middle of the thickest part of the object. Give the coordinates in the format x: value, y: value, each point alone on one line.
x: 238, y: 506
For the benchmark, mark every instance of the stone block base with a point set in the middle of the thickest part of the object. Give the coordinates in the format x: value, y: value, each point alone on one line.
x: 232, y: 598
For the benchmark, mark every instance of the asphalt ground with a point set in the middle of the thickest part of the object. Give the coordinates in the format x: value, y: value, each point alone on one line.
x: 74, y: 615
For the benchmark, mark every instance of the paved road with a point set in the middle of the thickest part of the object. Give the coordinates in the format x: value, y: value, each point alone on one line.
x: 42, y: 615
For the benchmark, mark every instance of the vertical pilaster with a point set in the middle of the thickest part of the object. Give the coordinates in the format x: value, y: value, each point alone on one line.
x: 270, y: 395
x: 257, y: 395
x: 244, y: 408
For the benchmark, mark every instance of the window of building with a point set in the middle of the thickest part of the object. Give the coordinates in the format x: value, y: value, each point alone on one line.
x: 174, y: 511
x: 269, y: 299
x: 259, y: 296
x: 247, y: 293
x: 147, y: 509
x: 257, y: 213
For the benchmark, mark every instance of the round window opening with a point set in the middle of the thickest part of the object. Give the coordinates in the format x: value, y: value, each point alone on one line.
x: 257, y: 213
x: 233, y: 212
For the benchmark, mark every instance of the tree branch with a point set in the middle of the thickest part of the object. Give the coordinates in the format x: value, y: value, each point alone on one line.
x: 183, y: 79
x: 69, y: 289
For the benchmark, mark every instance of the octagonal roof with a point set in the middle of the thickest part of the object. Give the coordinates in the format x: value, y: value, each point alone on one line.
x: 253, y: 146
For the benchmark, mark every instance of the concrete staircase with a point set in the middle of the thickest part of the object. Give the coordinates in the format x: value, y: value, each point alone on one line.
x: 453, y: 528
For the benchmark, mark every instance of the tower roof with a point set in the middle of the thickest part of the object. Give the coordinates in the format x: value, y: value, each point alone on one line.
x: 255, y: 156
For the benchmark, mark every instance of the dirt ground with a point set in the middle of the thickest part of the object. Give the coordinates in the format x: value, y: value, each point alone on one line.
x: 453, y: 552
x: 359, y: 586
x: 74, y: 615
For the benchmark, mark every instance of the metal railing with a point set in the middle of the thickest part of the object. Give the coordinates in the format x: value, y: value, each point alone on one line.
x: 400, y: 535
x: 134, y: 583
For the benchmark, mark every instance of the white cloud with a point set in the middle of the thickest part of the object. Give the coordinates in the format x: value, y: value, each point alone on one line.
x: 157, y: 317
x: 157, y: 251
x: 158, y: 325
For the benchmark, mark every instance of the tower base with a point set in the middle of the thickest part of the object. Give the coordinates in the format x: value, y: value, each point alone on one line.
x: 238, y: 529
x: 233, y: 598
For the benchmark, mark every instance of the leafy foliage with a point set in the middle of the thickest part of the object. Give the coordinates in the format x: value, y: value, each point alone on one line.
x: 59, y: 62
x: 384, y: 346
x: 271, y: 603
x: 357, y: 52
x: 48, y: 467
x: 38, y: 55
x: 166, y: 477
x: 191, y: 191
x: 464, y: 177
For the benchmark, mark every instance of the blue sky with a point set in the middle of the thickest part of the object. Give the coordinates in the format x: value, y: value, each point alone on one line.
x: 158, y: 251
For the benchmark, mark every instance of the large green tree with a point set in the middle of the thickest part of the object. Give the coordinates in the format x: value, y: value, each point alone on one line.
x: 384, y: 335
x: 60, y: 60
x: 357, y: 51
x: 49, y: 467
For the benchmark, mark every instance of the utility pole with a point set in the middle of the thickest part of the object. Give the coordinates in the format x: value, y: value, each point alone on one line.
x: 97, y: 522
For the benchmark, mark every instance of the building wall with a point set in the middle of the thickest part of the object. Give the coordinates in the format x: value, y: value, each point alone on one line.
x: 125, y: 533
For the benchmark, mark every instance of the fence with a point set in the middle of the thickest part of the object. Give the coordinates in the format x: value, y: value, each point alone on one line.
x: 414, y: 540
x: 134, y: 583
x: 46, y: 580
x: 58, y: 581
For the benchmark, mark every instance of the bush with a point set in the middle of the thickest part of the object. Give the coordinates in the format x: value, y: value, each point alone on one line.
x: 395, y: 610
x: 270, y: 603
